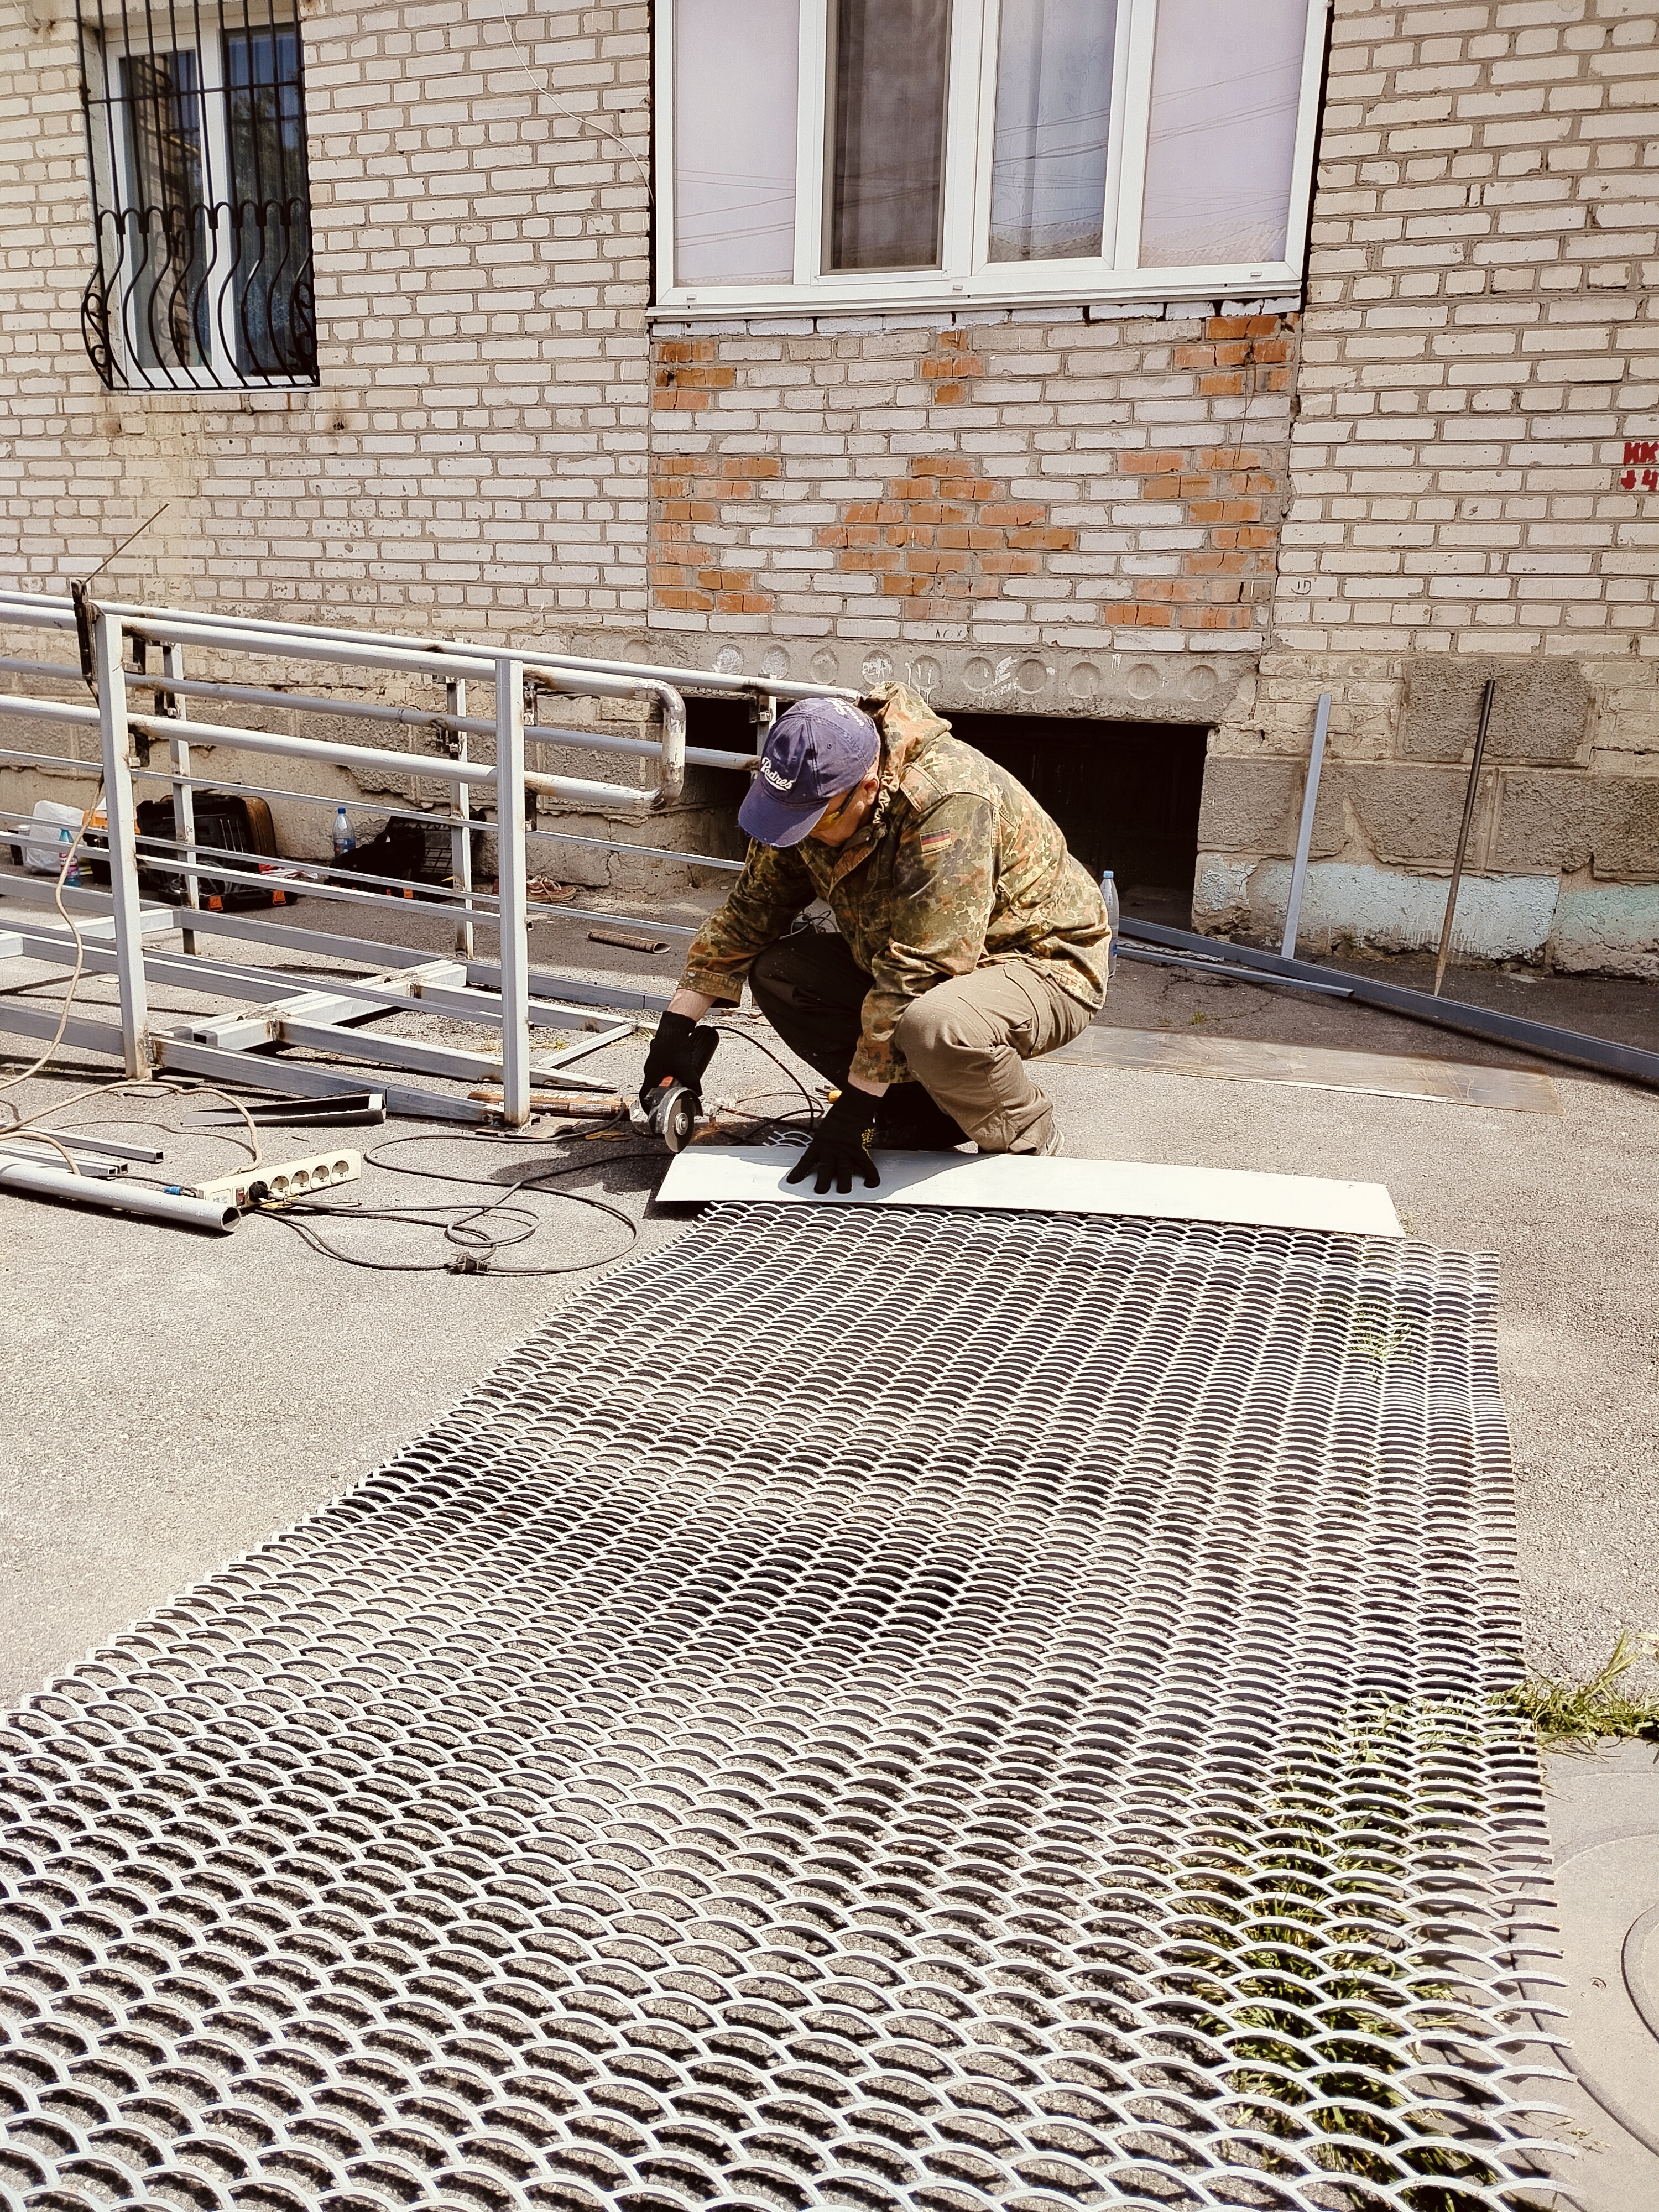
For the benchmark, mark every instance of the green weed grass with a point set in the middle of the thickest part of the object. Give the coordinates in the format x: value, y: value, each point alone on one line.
x: 1580, y: 1714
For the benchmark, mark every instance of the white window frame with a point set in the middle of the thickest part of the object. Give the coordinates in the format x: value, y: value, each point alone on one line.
x: 967, y: 275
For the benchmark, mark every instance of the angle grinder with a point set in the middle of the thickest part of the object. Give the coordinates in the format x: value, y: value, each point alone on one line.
x: 669, y: 1112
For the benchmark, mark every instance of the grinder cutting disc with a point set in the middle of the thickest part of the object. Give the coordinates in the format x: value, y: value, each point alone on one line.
x: 672, y: 1115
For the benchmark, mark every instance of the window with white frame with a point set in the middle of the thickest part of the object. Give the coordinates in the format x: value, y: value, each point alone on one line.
x: 880, y: 152
x: 201, y: 200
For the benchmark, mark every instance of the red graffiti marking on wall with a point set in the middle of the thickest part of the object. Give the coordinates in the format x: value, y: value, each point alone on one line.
x: 1640, y: 464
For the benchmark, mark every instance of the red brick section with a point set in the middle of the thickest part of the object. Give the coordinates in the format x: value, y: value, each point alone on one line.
x: 689, y: 372
x: 690, y: 570
x: 1231, y: 491
x: 947, y: 367
x: 943, y: 532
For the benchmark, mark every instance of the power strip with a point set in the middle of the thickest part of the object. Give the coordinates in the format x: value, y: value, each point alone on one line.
x: 280, y: 1184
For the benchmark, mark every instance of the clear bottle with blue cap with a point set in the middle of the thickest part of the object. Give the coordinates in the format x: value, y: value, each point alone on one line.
x: 1109, y: 893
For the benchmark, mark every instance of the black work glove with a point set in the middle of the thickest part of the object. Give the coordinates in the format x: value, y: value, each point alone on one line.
x: 680, y: 1053
x: 837, y: 1151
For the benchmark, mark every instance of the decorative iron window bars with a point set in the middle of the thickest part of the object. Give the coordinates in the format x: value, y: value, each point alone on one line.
x: 195, y: 132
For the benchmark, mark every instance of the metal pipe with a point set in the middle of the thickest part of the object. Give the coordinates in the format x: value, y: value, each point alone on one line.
x: 1304, y: 831
x: 65, y: 763
x: 41, y: 611
x: 184, y: 788
x: 1571, y: 1046
x: 121, y: 819
x: 47, y: 710
x: 120, y: 1196
x: 513, y: 890
x: 271, y: 741
x: 460, y: 835
x: 1463, y: 833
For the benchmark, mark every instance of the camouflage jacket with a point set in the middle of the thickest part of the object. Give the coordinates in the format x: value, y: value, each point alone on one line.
x: 957, y: 868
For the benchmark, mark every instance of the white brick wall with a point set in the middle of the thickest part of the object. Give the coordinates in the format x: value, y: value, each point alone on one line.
x: 1480, y: 347
x: 1481, y: 336
x: 478, y: 444
x: 499, y: 446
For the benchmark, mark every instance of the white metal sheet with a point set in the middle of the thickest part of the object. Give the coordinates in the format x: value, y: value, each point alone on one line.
x: 1016, y: 1184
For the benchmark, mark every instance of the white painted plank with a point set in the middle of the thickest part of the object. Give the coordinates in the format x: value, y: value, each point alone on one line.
x: 1011, y: 1183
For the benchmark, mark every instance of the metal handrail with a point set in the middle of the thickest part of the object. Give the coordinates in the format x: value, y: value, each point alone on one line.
x: 104, y: 629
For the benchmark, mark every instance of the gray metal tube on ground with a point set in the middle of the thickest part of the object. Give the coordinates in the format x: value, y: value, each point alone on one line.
x: 122, y: 1197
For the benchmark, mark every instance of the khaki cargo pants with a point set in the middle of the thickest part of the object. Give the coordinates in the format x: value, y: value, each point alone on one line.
x: 966, y: 1041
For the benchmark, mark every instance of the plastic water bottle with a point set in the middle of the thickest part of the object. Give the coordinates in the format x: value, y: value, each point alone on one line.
x: 345, y: 842
x: 1109, y: 893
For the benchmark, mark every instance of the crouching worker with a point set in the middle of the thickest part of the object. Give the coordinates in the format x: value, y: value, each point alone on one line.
x: 970, y: 940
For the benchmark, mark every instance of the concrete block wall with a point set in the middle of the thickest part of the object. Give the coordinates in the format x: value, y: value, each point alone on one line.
x: 1472, y: 494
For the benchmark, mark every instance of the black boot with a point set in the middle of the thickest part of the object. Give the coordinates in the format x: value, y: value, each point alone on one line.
x: 907, y: 1120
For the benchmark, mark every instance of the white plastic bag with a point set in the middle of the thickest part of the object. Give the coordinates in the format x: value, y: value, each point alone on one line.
x: 46, y: 841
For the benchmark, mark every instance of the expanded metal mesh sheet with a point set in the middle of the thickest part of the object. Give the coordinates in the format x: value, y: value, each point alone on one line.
x: 866, y: 1711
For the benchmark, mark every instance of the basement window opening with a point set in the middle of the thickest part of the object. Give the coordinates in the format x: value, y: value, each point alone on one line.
x: 201, y: 196
x: 892, y: 153
x: 1126, y: 794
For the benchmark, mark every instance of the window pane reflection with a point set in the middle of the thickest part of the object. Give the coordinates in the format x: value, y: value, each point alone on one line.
x: 735, y: 100
x: 1053, y: 107
x: 1226, y: 85
x: 892, y: 60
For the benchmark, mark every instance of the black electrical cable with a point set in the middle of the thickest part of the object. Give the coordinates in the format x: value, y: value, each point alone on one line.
x: 467, y: 1228
x: 471, y: 1224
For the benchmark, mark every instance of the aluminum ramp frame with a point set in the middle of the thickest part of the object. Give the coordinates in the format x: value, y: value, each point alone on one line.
x: 869, y: 1711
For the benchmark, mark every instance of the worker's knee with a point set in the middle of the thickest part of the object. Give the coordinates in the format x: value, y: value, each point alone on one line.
x: 944, y: 1023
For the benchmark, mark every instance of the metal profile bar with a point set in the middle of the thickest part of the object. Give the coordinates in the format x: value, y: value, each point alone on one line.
x: 165, y: 851
x: 487, y: 973
x: 113, y: 733
x: 331, y: 800
x: 1304, y: 831
x: 65, y: 761
x: 395, y: 813
x: 460, y: 836
x: 1571, y: 1046
x: 184, y: 794
x: 100, y: 1147
x: 1219, y: 972
x: 31, y: 1018
x: 368, y: 951
x: 408, y: 1054
x: 296, y: 1079
x: 513, y: 890
x: 18, y: 1151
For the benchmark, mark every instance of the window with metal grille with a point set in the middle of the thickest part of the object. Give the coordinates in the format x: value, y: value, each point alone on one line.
x: 196, y: 133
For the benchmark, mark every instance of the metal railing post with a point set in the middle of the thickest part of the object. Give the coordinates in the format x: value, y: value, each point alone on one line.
x: 460, y: 837
x: 512, y: 871
x: 119, y: 814
x: 184, y: 795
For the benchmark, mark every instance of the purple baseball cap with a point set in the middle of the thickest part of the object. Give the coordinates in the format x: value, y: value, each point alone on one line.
x: 818, y: 748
